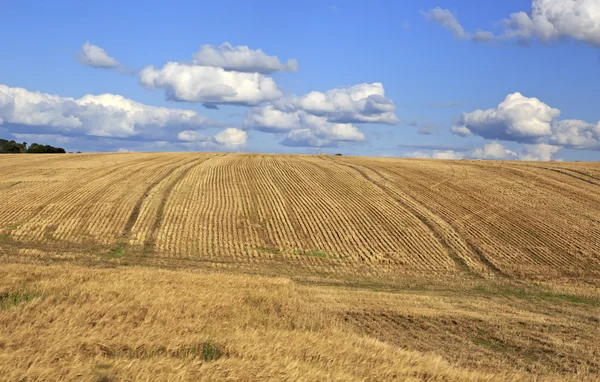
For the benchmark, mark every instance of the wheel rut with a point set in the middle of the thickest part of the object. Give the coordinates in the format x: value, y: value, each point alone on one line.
x: 165, y: 196
x: 433, y: 226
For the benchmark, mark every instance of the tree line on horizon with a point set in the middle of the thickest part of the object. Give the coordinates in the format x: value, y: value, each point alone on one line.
x: 13, y: 147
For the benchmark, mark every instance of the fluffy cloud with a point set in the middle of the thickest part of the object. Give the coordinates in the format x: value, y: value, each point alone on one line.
x: 435, y: 154
x: 517, y: 118
x: 192, y: 136
x: 241, y: 59
x: 96, y: 57
x: 493, y: 150
x: 528, y: 120
x: 362, y: 103
x: 230, y: 138
x: 318, y: 132
x: 301, y: 128
x: 106, y: 115
x: 272, y: 120
x: 183, y: 82
x: 540, y: 152
x: 552, y: 19
x: 576, y: 134
x: 548, y: 20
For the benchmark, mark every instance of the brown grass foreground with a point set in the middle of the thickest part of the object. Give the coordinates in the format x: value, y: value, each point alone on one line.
x: 259, y: 267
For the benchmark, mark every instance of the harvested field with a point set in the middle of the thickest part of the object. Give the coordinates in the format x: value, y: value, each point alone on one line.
x: 125, y: 265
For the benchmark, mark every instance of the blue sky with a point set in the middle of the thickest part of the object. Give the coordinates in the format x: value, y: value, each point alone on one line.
x: 395, y: 78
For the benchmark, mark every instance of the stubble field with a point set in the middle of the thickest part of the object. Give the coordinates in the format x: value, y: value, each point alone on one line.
x: 215, y: 266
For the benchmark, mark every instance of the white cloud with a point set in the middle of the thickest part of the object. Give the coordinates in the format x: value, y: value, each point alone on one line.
x: 435, y: 154
x: 552, y: 19
x: 192, y: 136
x: 448, y: 154
x: 445, y: 18
x: 191, y: 83
x: 528, y: 120
x: 241, y: 59
x: 301, y: 128
x: 318, y: 132
x: 271, y: 120
x: 463, y: 131
x: 493, y: 150
x: 362, y: 103
x: 96, y: 57
x: 106, y: 115
x: 517, y: 118
x: 540, y: 152
x: 305, y: 138
x: 547, y: 20
x: 576, y: 134
x: 232, y: 138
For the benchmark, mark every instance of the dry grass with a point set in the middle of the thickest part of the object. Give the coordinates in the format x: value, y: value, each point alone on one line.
x: 136, y: 323
x: 259, y: 267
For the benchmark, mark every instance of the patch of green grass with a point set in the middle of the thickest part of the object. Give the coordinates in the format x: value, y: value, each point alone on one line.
x: 10, y: 299
x: 569, y: 298
x: 148, y: 249
x: 118, y: 252
x: 268, y: 250
x: 209, y: 351
x: 315, y: 253
x: 5, y: 238
x: 491, y: 344
x: 533, y: 293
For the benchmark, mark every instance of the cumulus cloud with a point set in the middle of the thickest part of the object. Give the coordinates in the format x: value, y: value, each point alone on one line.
x: 576, y: 134
x: 547, y: 20
x: 210, y: 85
x: 241, y: 59
x: 528, y: 120
x: 192, y: 136
x: 552, y: 19
x: 362, y: 103
x: 435, y: 154
x: 517, y: 118
x: 230, y: 138
x: 106, y: 115
x: 272, y: 120
x: 318, y: 132
x: 540, y: 152
x: 301, y: 128
x: 96, y: 57
x: 493, y: 150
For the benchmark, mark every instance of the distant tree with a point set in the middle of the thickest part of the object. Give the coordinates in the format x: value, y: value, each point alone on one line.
x: 338, y: 155
x: 11, y: 147
x: 45, y: 149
